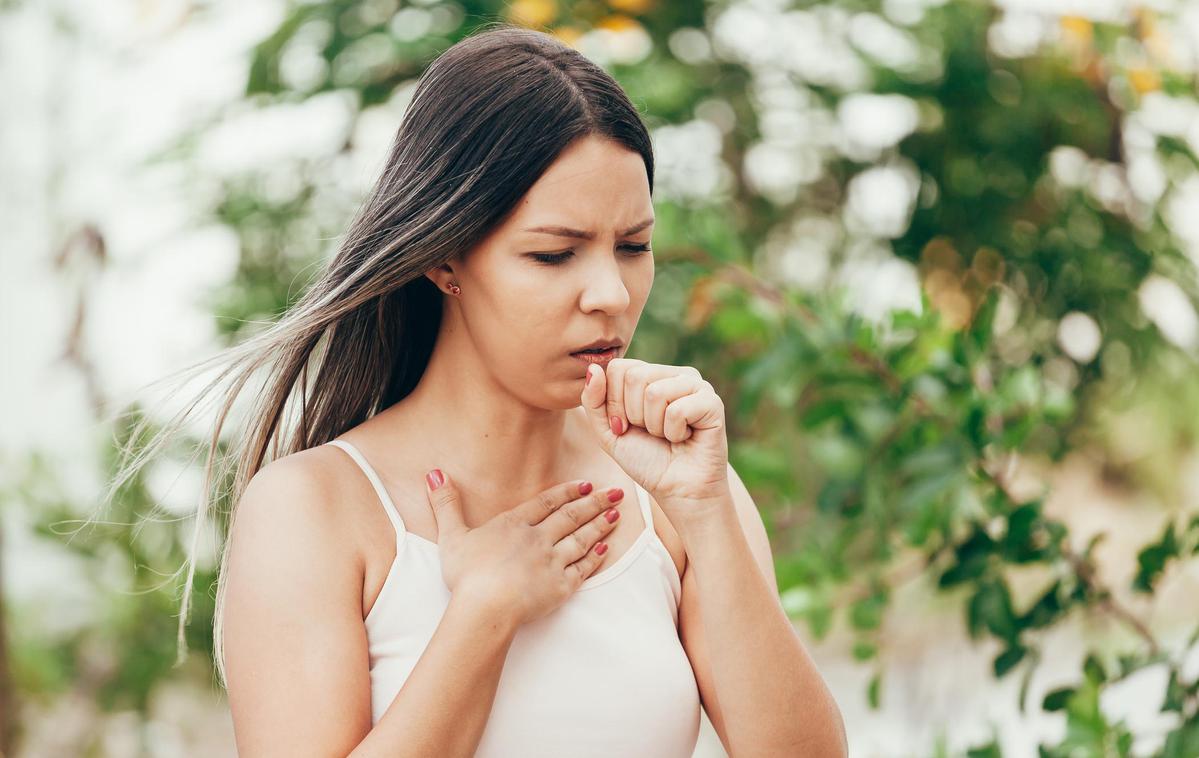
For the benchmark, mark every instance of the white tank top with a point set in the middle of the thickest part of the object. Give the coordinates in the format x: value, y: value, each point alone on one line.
x: 604, y: 674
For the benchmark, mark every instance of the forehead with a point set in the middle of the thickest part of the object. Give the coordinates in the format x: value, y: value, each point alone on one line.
x: 595, y: 185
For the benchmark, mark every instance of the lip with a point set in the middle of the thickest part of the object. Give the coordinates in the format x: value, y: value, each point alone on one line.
x: 601, y: 342
x: 601, y: 358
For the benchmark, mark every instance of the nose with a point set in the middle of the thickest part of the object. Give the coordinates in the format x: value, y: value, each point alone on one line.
x: 604, y: 287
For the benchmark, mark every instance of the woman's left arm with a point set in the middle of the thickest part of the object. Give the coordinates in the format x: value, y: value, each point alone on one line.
x: 665, y: 426
x: 760, y: 688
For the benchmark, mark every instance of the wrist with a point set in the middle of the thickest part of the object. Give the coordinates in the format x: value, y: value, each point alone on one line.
x: 697, y: 511
x: 482, y: 607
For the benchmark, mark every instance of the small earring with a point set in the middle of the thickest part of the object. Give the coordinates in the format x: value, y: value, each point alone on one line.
x: 455, y: 289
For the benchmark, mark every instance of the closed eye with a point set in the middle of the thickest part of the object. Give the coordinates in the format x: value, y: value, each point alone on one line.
x: 554, y: 259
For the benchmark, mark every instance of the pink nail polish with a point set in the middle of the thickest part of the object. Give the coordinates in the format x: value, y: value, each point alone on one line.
x: 616, y: 424
x: 436, y: 479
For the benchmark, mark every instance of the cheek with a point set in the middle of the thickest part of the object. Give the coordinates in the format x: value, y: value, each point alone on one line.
x: 523, y: 328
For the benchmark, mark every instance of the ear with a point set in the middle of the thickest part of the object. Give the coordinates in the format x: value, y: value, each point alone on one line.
x: 441, y: 276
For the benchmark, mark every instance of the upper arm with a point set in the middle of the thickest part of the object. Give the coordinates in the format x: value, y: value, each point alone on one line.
x: 691, y: 630
x: 294, y: 642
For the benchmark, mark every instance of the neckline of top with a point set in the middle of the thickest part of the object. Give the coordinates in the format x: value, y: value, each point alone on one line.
x: 403, y: 535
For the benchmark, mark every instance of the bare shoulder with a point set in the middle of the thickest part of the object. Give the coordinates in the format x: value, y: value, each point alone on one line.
x: 293, y: 499
x: 294, y: 644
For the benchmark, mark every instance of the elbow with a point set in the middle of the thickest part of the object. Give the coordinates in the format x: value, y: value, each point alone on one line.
x: 825, y: 739
x: 838, y: 740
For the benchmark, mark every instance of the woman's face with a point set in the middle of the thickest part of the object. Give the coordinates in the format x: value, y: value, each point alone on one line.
x: 525, y: 313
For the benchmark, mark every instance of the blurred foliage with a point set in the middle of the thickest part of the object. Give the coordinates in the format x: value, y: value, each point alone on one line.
x: 879, y: 449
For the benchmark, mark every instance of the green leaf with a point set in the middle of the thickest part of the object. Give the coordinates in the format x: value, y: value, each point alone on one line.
x: 867, y: 613
x: 1021, y: 523
x: 1093, y: 670
x: 991, y: 607
x: 1056, y: 700
x: 1005, y: 661
x: 864, y: 651
x: 1183, y: 742
x: 1151, y: 561
x: 1175, y: 694
x: 1047, y: 609
x: 872, y: 690
x: 972, y: 558
x: 990, y: 750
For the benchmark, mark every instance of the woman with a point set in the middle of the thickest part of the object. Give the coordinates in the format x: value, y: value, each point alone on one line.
x: 432, y: 564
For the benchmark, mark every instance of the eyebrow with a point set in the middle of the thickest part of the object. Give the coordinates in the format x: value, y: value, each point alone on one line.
x: 563, y: 231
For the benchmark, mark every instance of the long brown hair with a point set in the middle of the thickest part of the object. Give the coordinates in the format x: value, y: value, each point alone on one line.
x: 487, y: 118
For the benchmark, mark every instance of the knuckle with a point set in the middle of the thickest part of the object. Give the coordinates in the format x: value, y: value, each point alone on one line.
x: 575, y: 577
x: 546, y: 503
x: 579, y: 540
x: 534, y: 538
x: 575, y: 516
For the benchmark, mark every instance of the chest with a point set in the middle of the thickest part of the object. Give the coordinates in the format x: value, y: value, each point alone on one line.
x: 376, y: 535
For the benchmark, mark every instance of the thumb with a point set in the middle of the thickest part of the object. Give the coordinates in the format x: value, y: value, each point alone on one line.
x: 443, y: 497
x: 595, y: 402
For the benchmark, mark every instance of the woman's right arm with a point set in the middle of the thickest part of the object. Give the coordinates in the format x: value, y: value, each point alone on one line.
x: 295, y: 646
x: 446, y: 701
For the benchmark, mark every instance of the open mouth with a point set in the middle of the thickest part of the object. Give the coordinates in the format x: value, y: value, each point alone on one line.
x: 598, y: 355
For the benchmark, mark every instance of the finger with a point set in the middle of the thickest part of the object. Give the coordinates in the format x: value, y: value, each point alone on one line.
x: 660, y: 393
x: 594, y: 402
x: 616, y: 372
x: 544, y: 503
x: 700, y: 410
x: 574, y: 515
x: 575, y: 545
x: 586, y: 566
x: 447, y: 508
x: 627, y: 384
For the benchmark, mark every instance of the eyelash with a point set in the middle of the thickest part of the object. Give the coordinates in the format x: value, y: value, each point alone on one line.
x: 555, y: 259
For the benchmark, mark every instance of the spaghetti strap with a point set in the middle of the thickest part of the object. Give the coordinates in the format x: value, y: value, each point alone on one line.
x: 388, y: 505
x: 647, y: 510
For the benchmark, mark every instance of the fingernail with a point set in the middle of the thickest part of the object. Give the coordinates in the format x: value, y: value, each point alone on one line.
x: 587, y: 378
x: 615, y: 494
x: 616, y: 424
x: 584, y: 488
x: 600, y: 548
x: 435, y: 478
x: 611, y: 514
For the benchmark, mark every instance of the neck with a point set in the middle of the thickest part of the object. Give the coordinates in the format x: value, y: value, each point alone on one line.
x: 499, y: 449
